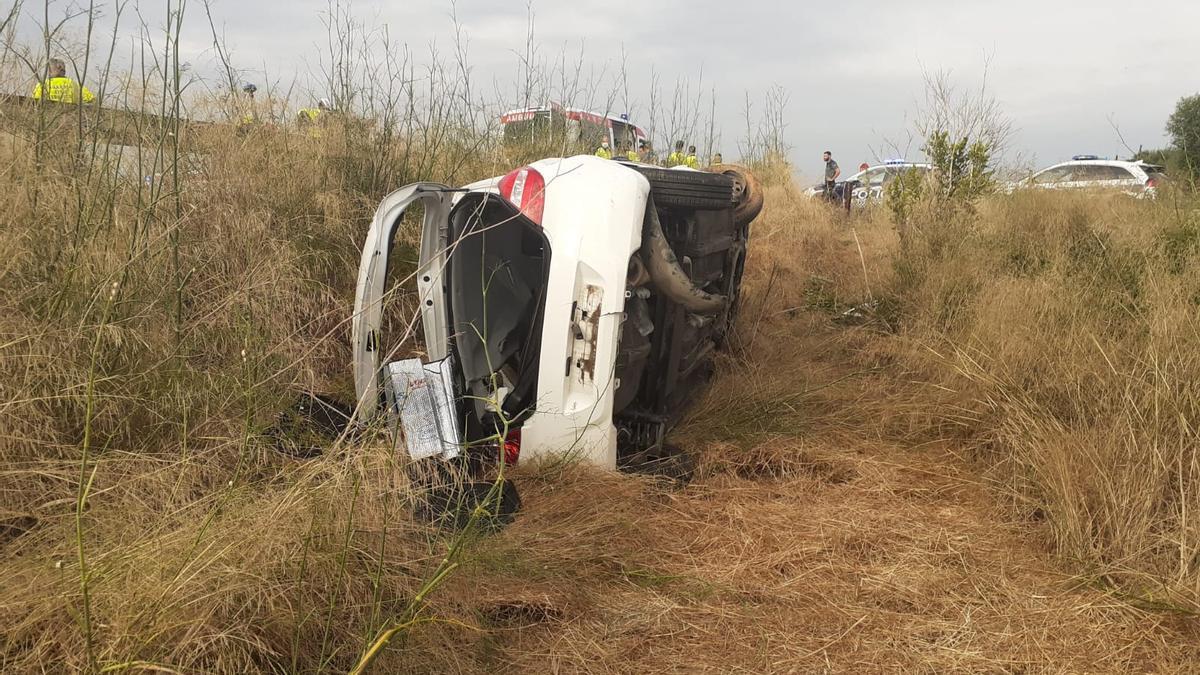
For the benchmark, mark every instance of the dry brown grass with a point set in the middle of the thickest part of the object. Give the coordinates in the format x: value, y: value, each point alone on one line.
x: 858, y: 560
x: 1057, y: 339
x: 816, y: 537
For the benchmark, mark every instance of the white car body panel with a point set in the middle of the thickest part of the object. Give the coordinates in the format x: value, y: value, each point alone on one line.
x: 593, y: 220
x: 872, y: 193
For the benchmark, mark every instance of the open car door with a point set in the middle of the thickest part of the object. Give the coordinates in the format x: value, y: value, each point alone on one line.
x: 373, y: 277
x: 481, y: 281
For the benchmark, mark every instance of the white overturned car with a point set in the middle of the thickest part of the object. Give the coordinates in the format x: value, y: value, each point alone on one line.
x: 570, y: 309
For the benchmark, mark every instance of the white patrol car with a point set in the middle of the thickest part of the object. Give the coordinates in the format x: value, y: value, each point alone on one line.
x: 1089, y: 172
x: 866, y: 187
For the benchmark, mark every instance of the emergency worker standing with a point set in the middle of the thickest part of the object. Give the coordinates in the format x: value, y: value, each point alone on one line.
x: 60, y: 88
x: 313, y: 118
x: 250, y: 116
x: 691, y: 160
x: 677, y: 158
x: 603, y: 152
x: 647, y: 153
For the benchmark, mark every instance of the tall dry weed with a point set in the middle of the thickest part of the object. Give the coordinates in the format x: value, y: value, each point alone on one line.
x: 1057, y: 334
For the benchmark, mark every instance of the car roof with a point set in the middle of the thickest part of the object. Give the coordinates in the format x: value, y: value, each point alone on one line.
x: 603, y: 119
x: 895, y: 165
x: 1123, y: 163
x: 1100, y: 162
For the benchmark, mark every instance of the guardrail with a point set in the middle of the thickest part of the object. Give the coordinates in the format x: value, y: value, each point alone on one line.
x: 127, y: 127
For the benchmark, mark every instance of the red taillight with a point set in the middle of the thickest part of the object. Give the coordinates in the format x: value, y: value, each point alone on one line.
x: 526, y: 189
x: 1151, y: 182
x: 512, y: 447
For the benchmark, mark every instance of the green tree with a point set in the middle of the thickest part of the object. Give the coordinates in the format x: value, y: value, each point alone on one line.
x: 962, y: 167
x: 962, y: 173
x: 1184, y: 127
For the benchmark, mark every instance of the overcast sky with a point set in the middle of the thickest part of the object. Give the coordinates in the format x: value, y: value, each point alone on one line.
x: 1064, y: 72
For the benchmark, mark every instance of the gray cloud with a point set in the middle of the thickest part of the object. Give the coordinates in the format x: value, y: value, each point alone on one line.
x: 853, y: 69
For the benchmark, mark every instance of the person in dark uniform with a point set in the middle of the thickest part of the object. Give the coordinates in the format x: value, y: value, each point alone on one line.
x: 832, y: 171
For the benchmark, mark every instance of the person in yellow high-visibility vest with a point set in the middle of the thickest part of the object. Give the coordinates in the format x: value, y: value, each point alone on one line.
x: 313, y: 119
x: 60, y: 88
x: 248, y: 109
x: 677, y: 158
x: 603, y: 152
x: 691, y: 160
x: 629, y: 152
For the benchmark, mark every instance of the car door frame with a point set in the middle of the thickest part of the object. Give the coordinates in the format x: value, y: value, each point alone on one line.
x: 371, y: 288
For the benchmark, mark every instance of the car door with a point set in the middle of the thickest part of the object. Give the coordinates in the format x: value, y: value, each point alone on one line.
x: 373, y: 277
x: 870, y: 187
x: 1118, y: 178
x: 481, y: 282
x: 875, y: 184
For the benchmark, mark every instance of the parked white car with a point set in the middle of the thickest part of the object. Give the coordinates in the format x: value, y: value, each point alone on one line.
x: 570, y: 308
x: 1088, y: 172
x: 866, y: 187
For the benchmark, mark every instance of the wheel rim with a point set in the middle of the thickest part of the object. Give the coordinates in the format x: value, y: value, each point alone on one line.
x: 739, y: 186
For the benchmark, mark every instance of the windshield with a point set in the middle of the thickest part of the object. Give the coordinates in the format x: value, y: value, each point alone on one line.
x: 499, y: 263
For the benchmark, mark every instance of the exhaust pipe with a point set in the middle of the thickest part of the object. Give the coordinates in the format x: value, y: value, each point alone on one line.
x: 665, y: 273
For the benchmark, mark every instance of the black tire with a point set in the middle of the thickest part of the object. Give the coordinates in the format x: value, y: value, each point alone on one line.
x: 699, y: 190
x: 747, y: 192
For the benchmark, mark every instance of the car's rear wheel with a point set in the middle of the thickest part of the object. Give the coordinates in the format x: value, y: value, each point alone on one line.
x: 747, y: 192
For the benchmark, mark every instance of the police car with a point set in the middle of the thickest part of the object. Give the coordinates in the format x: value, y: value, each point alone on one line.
x: 866, y: 187
x: 1089, y: 172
